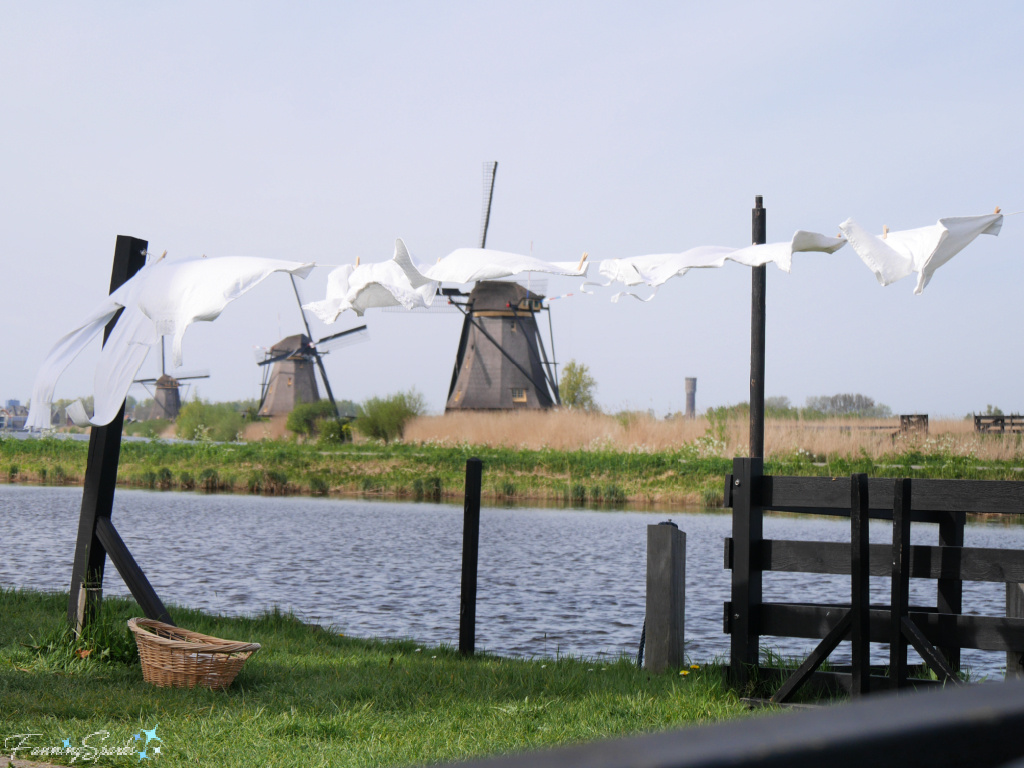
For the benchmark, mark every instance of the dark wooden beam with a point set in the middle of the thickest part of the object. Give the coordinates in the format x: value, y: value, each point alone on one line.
x: 747, y: 532
x: 758, y: 288
x: 900, y: 588
x: 860, y: 585
x: 130, y: 571
x: 101, y: 468
x: 470, y: 555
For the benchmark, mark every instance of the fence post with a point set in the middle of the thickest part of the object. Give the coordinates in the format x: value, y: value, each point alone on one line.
x: 860, y: 592
x: 900, y: 601
x: 1014, y: 610
x: 666, y: 597
x: 470, y: 553
x: 101, y: 469
x: 747, y: 534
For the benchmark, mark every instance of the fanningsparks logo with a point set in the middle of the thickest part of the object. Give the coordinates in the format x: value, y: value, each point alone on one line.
x: 145, y: 744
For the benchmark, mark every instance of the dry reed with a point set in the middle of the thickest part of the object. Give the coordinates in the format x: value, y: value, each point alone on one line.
x: 576, y: 430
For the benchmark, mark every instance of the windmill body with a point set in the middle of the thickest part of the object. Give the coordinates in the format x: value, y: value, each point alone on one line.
x: 501, y: 362
x: 292, y: 378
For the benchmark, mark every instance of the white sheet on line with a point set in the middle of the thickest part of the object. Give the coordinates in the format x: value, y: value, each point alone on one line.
x: 163, y: 298
x: 922, y: 250
x: 655, y: 270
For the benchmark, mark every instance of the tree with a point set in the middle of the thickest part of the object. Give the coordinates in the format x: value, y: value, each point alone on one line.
x: 855, y: 405
x: 577, y: 387
x: 385, y: 418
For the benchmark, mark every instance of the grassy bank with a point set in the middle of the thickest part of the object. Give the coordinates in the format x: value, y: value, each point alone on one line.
x: 686, y: 475
x: 313, y: 698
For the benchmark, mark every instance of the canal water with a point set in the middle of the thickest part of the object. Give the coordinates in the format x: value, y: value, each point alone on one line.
x: 551, y: 581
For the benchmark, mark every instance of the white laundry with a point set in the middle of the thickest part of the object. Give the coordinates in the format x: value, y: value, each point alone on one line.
x: 378, y: 284
x: 163, y: 298
x: 921, y: 250
x: 402, y: 282
x: 468, y: 265
x: 655, y: 270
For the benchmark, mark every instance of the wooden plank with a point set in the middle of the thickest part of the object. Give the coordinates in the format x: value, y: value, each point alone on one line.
x: 130, y: 571
x: 900, y: 588
x: 1014, y: 609
x: 950, y: 589
x: 747, y: 533
x: 926, y: 562
x: 860, y: 586
x: 806, y: 494
x: 470, y: 555
x: 101, y: 468
x: 986, y: 633
x: 666, y: 598
x: 758, y: 290
x: 933, y: 658
x: 814, y: 659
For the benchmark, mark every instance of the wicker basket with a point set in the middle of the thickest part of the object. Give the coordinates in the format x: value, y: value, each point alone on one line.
x: 181, y: 659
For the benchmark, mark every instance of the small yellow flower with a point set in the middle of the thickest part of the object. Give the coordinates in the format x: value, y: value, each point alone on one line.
x: 695, y: 666
x: 684, y: 672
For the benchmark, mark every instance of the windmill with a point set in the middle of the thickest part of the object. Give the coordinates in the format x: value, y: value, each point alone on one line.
x: 167, y: 394
x: 289, y: 377
x: 501, y: 362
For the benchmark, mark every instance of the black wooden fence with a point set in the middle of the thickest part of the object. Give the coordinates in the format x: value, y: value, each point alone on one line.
x: 937, y: 632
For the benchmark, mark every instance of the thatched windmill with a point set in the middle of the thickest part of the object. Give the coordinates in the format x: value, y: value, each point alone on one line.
x: 501, y: 362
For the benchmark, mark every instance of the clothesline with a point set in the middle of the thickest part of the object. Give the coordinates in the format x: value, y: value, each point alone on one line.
x: 166, y: 297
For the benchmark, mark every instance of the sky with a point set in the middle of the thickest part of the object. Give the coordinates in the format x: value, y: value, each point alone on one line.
x: 323, y: 131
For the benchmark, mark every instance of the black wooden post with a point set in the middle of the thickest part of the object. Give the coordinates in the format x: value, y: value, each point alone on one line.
x: 951, y: 590
x: 860, y: 592
x: 900, y: 602
x: 747, y: 533
x: 664, y: 627
x: 470, y: 553
x: 758, y: 286
x: 101, y: 469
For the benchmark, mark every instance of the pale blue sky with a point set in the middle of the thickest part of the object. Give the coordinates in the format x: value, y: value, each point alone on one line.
x: 324, y: 131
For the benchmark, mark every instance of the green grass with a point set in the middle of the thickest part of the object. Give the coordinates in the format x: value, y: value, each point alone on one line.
x: 313, y: 698
x: 599, y: 477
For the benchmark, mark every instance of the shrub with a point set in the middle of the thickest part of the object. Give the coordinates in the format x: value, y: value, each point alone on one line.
x: 304, y: 416
x: 199, y: 420
x: 318, y: 486
x: 385, y: 418
x: 186, y: 481
x: 577, y: 387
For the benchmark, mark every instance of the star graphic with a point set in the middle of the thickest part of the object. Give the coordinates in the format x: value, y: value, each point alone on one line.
x: 67, y: 743
x: 151, y: 735
x: 156, y: 750
x: 138, y: 736
x: 143, y: 756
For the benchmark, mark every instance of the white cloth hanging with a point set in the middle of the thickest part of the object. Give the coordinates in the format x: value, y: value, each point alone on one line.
x: 163, y: 298
x: 921, y: 250
x: 468, y: 265
x: 655, y: 270
x: 376, y: 284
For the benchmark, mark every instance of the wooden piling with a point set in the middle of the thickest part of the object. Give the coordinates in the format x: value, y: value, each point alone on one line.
x: 470, y: 556
x: 666, y: 597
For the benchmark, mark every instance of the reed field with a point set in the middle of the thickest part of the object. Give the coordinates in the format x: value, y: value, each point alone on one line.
x: 561, y: 457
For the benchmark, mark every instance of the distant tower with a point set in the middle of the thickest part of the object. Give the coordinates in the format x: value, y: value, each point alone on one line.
x: 292, y: 379
x: 691, y: 398
x: 501, y: 362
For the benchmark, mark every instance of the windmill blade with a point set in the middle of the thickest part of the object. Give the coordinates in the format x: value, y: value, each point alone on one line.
x: 192, y: 375
x: 490, y: 171
x: 347, y: 338
x: 281, y: 356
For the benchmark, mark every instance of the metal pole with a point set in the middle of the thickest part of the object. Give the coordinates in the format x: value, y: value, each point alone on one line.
x: 470, y: 554
x: 757, y: 325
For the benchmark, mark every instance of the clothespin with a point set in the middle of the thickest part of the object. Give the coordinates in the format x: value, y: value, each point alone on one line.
x: 582, y: 259
x: 164, y: 254
x: 202, y: 257
x: 998, y: 209
x: 357, y: 261
x: 885, y: 231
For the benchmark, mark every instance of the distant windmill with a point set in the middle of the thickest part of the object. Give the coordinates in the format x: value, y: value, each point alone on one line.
x: 288, y: 374
x: 501, y: 363
x: 167, y: 397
